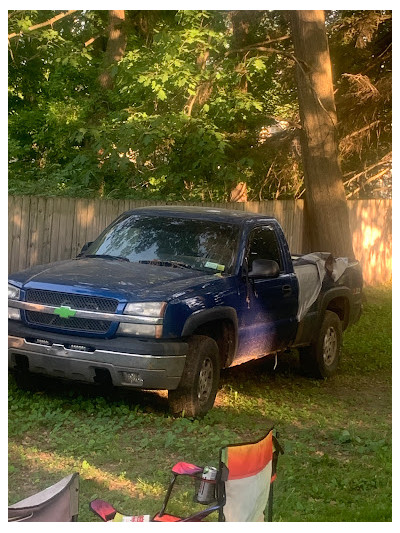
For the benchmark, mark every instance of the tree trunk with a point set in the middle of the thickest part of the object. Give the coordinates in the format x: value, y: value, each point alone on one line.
x: 244, y: 24
x: 326, y: 206
x: 116, y: 45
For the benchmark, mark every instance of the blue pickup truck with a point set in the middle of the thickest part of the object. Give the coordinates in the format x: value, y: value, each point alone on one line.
x: 167, y: 296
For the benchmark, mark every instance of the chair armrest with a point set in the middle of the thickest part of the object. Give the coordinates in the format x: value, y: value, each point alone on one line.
x: 186, y: 469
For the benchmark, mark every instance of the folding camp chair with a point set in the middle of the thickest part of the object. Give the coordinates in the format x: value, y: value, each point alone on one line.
x: 241, y: 490
x: 58, y: 503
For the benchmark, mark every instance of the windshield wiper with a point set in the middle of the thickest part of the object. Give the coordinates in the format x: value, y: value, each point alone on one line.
x: 105, y: 256
x: 159, y: 262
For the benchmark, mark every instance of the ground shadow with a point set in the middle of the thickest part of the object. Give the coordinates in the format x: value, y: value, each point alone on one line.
x: 157, y: 401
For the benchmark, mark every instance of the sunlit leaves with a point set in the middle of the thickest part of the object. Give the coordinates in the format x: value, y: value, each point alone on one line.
x: 185, y: 110
x: 157, y: 112
x: 259, y: 64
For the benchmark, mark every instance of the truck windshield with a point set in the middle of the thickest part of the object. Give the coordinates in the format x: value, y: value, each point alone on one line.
x: 167, y: 241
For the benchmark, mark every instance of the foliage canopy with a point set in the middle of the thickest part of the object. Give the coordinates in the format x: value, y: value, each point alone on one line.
x: 200, y: 101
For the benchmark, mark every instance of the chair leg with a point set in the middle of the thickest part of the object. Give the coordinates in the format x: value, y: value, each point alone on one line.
x: 270, y: 502
x: 168, y: 494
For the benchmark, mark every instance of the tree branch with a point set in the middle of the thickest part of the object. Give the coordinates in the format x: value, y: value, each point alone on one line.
x: 377, y: 60
x: 15, y: 12
x: 91, y: 40
x: 385, y: 159
x: 203, y: 86
x: 256, y: 45
x: 358, y: 132
x: 302, y: 66
x: 49, y: 22
x: 369, y: 180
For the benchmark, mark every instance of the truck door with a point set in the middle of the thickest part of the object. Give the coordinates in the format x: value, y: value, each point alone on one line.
x: 269, y: 305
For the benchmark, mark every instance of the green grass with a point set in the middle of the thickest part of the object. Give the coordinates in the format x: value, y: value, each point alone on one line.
x: 336, y: 433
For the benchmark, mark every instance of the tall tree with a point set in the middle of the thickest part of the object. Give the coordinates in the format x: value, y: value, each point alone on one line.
x: 326, y: 206
x: 116, y: 45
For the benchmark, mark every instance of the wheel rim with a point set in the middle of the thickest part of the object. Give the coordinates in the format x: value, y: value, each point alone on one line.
x: 205, y: 380
x: 330, y: 346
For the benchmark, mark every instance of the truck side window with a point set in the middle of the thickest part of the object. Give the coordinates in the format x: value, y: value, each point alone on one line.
x: 263, y: 244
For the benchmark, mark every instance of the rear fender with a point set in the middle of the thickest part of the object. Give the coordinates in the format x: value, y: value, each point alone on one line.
x: 338, y: 300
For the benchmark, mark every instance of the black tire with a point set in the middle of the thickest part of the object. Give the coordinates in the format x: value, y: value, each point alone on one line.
x: 321, y: 359
x: 198, y: 387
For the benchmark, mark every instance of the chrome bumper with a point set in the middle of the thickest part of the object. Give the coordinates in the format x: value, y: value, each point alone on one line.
x: 126, y: 369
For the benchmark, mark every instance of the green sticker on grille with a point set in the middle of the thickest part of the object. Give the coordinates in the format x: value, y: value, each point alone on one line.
x: 64, y: 312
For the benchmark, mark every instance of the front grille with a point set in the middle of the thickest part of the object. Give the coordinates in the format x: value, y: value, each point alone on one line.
x: 75, y: 324
x: 75, y: 301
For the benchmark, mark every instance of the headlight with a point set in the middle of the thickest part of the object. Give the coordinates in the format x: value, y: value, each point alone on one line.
x: 13, y: 292
x: 148, y: 319
x: 153, y: 309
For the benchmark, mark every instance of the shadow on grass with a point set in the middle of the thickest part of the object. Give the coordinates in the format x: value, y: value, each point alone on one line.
x: 156, y: 401
x: 256, y: 388
x: 325, y: 427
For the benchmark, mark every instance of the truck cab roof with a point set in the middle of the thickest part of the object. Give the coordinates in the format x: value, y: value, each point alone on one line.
x: 205, y: 213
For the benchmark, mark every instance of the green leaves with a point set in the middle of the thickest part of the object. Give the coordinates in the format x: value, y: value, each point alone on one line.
x: 179, y: 67
x: 344, y: 437
x: 82, y: 136
x: 161, y: 94
x: 24, y: 23
x: 259, y: 64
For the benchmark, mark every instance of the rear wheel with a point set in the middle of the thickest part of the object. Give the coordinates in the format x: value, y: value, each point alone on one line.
x: 321, y: 359
x: 198, y: 387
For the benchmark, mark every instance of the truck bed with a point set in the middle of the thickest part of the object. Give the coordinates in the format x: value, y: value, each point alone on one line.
x: 310, y: 270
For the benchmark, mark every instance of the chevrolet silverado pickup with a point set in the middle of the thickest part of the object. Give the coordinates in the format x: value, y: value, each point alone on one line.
x: 167, y: 296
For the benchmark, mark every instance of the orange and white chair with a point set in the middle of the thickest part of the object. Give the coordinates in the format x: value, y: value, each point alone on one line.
x: 241, y: 491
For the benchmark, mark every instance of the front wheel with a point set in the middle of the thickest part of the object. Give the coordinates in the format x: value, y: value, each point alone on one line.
x: 321, y: 359
x: 198, y: 387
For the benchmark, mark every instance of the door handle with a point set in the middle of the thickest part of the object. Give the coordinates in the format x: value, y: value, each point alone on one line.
x: 287, y: 290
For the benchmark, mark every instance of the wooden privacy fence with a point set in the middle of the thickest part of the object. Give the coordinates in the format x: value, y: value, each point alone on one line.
x: 42, y: 230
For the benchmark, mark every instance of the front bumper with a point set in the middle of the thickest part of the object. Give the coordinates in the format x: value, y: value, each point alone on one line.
x: 133, y: 363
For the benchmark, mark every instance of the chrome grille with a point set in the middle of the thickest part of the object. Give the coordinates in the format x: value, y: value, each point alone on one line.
x: 75, y: 324
x: 75, y: 301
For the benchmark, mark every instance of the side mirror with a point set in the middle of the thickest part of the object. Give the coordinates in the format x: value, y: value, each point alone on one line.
x: 85, y: 247
x: 264, y: 268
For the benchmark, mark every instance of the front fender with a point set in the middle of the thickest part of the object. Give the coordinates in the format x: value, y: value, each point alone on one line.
x: 203, y: 316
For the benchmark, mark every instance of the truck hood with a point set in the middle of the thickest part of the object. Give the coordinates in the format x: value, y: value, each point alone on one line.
x: 118, y: 279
